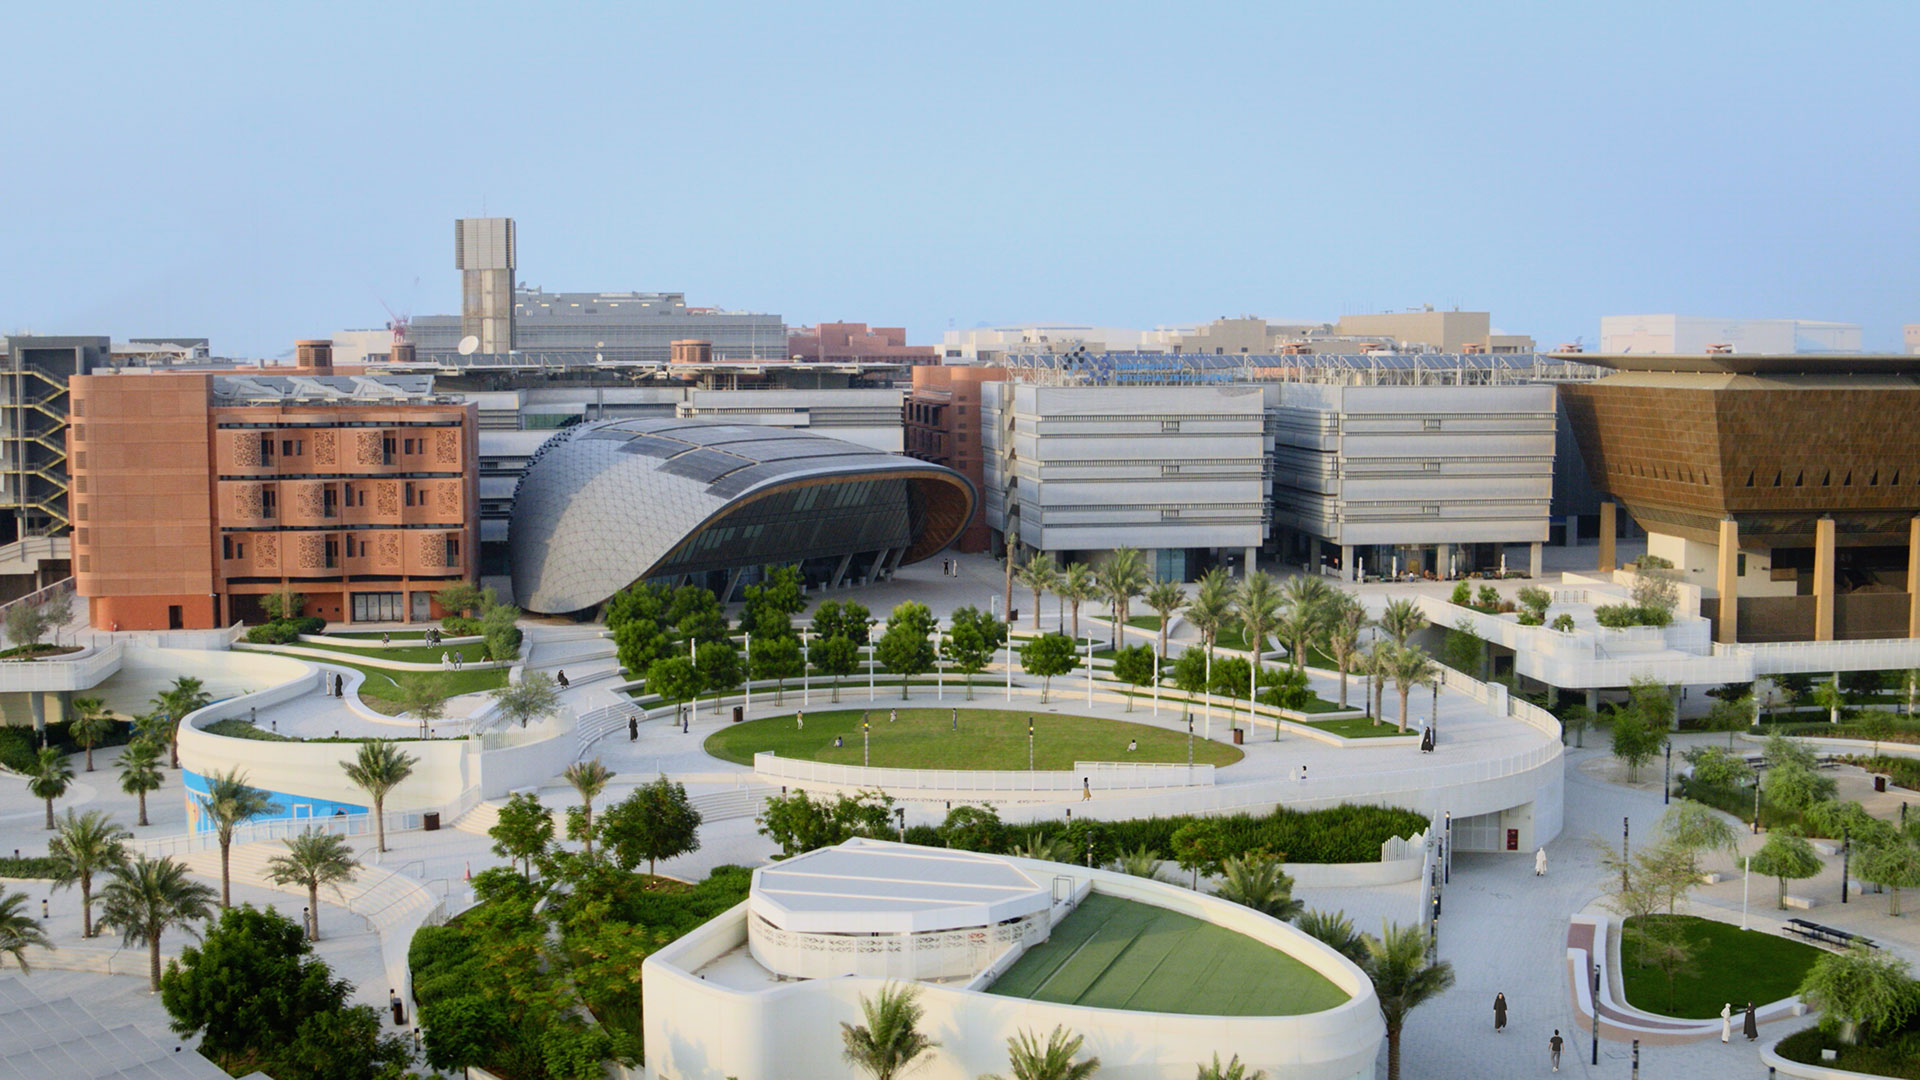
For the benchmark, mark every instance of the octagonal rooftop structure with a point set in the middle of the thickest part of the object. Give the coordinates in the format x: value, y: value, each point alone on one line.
x: 608, y: 503
x: 860, y: 887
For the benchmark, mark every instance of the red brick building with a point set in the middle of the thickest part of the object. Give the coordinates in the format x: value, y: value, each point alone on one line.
x: 942, y: 422
x: 853, y: 343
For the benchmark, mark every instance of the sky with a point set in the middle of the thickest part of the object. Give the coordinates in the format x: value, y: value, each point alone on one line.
x: 257, y: 173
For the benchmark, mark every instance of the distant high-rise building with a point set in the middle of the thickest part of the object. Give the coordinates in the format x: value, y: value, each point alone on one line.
x: 1693, y: 335
x: 1913, y: 339
x: 483, y: 250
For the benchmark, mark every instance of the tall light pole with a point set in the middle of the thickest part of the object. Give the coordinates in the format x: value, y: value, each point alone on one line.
x: 1596, y: 1010
x: 1207, y: 693
x: 1625, y: 825
x: 806, y: 666
x: 939, y: 673
x: 1846, y: 857
x: 1156, y: 689
x: 1089, y: 673
x: 870, y: 660
x: 866, y: 739
x: 1029, y: 744
x: 748, y: 681
x: 1009, y: 646
x: 1666, y: 786
x: 693, y: 708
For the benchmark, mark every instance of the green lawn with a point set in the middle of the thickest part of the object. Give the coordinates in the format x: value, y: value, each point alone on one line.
x: 1728, y: 964
x: 988, y: 739
x: 1359, y: 727
x: 1120, y: 954
x: 379, y: 690
x: 404, y: 654
x: 397, y: 635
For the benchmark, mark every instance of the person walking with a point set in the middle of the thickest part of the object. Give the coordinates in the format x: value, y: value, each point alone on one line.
x: 1726, y: 1022
x: 561, y: 678
x: 1499, y: 1012
x: 386, y: 639
x: 1752, y: 1024
x: 633, y: 729
x: 799, y: 720
x: 893, y: 715
x: 1086, y: 789
x: 1554, y: 1046
x: 1540, y: 862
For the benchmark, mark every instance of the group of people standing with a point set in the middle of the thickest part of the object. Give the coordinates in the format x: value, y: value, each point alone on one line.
x: 1750, y: 1026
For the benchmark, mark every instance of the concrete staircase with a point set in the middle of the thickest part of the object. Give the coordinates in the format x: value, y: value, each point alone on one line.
x: 381, y: 897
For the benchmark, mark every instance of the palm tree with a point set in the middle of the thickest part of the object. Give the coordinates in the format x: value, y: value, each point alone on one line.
x: 1212, y: 603
x: 1232, y: 1070
x: 228, y: 801
x: 52, y: 775
x: 887, y: 1043
x: 314, y: 859
x: 87, y: 844
x: 19, y: 930
x: 140, y: 772
x: 1258, y: 882
x: 1258, y: 605
x: 379, y: 769
x: 1402, y: 619
x: 1165, y: 598
x: 1077, y: 585
x: 1040, y: 847
x: 1037, y: 573
x: 1121, y: 579
x: 1027, y: 1059
x: 1296, y: 626
x: 174, y: 703
x: 1349, y: 620
x: 1403, y: 980
x: 589, y: 778
x: 1334, y: 929
x: 1142, y: 862
x: 148, y: 897
x: 1409, y: 668
x: 156, y: 728
x: 91, y: 723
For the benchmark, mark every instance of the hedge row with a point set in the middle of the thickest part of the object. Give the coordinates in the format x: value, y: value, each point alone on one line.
x: 1338, y: 834
x: 20, y: 747
x: 31, y: 867
x: 284, y: 631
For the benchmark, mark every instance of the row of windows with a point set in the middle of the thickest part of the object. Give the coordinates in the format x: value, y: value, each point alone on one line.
x: 235, y: 547
x: 341, y: 424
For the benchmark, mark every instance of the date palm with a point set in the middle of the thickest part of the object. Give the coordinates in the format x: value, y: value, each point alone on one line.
x: 1211, y: 606
x: 1344, y: 626
x: 314, y: 859
x: 379, y: 768
x: 140, y: 772
x: 1029, y: 1059
x: 19, y: 930
x: 1258, y: 604
x: 86, y: 844
x: 52, y: 775
x: 185, y: 695
x: 589, y: 778
x: 1402, y: 619
x: 1077, y: 585
x: 1122, y: 577
x: 1039, y: 574
x: 887, y: 1044
x: 148, y: 897
x: 1335, y: 930
x: 1408, y: 668
x: 1403, y: 980
x: 1232, y: 1070
x: 91, y: 724
x: 1165, y: 598
x: 1258, y: 882
x: 228, y: 801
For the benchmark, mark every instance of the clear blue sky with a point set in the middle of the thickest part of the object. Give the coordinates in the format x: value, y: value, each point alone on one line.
x: 258, y: 173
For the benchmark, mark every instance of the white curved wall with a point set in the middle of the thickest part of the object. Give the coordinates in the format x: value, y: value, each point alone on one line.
x: 698, y: 1029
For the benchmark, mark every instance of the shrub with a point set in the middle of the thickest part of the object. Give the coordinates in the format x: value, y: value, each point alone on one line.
x: 1338, y: 834
x: 460, y: 626
x: 39, y: 866
x: 1616, y: 616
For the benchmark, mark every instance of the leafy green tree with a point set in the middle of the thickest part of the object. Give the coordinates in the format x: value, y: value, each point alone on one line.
x: 86, y: 844
x: 658, y: 821
x: 719, y: 665
x: 1232, y: 678
x: 1121, y: 578
x: 345, y: 1044
x: 974, y: 828
x: 1463, y: 650
x: 1077, y: 585
x: 1039, y: 574
x: 1834, y: 700
x: 674, y: 678
x: 1056, y: 1059
x: 1787, y: 856
x: 1045, y: 656
x: 248, y: 986
x: 1190, y: 672
x: 841, y: 618
x: 972, y: 639
x: 1577, y: 719
x: 1860, y: 991
x: 890, y: 1040
x: 640, y: 601
x: 1695, y: 828
x: 800, y: 824
x: 155, y: 728
x: 91, y: 724
x: 1345, y: 623
x: 776, y: 659
x: 1283, y: 688
x: 1200, y: 848
x: 52, y: 775
x: 282, y: 603
x: 835, y: 657
x: 314, y: 859
x: 696, y: 615
x: 906, y: 647
x: 641, y: 642
x: 229, y: 802
x: 1232, y: 1070
x: 1655, y: 589
x: 1635, y: 742
x: 1335, y: 930
x: 1134, y: 666
x: 1792, y: 786
x: 148, y: 897
x: 1259, y: 882
x: 460, y: 598
x: 378, y: 768
x: 140, y: 772
x: 1892, y: 862
x: 589, y: 779
x: 1715, y: 767
x: 1534, y: 602
x: 27, y: 625
x: 19, y: 931
x: 534, y: 697
x: 1729, y: 716
x: 1563, y: 623
x: 770, y: 606
x: 1403, y: 980
x: 523, y: 834
x: 500, y: 631
x: 423, y: 696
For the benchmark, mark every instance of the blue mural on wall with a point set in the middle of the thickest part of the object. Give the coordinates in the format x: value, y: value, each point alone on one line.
x: 285, y: 806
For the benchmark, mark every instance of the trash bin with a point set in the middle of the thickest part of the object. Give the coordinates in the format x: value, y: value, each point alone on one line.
x: 739, y: 713
x: 1239, y: 736
x: 1879, y: 783
x: 430, y: 821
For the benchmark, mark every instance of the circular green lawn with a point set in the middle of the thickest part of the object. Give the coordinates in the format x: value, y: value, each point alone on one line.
x: 987, y: 739
x: 1728, y: 964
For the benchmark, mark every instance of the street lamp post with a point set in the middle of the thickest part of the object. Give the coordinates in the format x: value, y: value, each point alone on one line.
x: 748, y: 681
x: 1029, y: 744
x: 1207, y: 693
x: 1089, y: 673
x: 866, y: 740
x: 1625, y: 825
x: 806, y: 666
x: 1666, y: 786
x: 939, y: 673
x: 1156, y: 688
x: 1846, y: 857
x: 693, y: 707
x: 870, y: 659
x: 1756, y: 806
x: 1189, y: 741
x: 1595, y: 1003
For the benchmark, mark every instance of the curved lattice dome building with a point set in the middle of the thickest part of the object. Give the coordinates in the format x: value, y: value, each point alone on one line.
x: 605, y: 504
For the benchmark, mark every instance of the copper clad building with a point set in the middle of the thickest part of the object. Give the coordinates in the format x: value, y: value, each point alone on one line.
x: 1788, y: 486
x: 194, y: 494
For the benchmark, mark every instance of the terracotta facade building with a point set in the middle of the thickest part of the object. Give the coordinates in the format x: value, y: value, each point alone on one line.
x: 942, y: 425
x: 854, y: 343
x: 196, y: 494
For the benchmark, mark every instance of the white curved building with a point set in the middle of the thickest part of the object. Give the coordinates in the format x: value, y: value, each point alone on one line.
x: 1157, y: 978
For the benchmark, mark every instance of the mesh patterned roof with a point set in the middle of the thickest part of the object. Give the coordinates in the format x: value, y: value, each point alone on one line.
x: 602, y: 504
x: 866, y: 886
x: 44, y: 1039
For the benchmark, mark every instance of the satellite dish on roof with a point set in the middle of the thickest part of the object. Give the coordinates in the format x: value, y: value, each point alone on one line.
x: 468, y: 344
